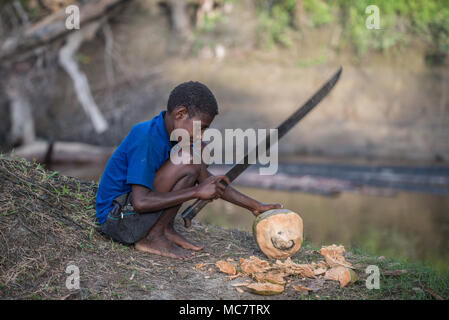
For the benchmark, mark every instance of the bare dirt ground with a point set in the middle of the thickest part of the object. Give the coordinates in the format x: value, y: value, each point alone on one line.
x: 48, y: 223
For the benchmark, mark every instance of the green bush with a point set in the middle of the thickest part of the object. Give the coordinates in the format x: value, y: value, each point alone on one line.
x: 400, y: 22
x: 276, y: 20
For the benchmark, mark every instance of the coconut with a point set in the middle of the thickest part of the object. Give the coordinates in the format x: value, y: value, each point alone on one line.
x: 278, y: 233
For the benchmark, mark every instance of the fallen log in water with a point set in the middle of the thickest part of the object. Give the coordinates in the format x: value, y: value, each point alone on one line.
x: 330, y: 179
x: 64, y: 152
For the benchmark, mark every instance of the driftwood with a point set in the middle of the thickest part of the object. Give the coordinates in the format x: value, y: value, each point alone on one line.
x: 64, y: 152
x: 22, y: 123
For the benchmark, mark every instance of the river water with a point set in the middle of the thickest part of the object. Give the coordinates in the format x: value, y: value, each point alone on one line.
x: 403, y: 224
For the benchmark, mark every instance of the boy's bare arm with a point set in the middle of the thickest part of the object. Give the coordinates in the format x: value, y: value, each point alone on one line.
x: 147, y: 200
x: 236, y: 197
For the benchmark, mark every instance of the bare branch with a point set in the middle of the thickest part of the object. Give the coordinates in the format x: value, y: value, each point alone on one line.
x: 67, y: 61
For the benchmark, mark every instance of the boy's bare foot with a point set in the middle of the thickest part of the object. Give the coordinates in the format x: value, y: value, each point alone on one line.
x: 174, y: 236
x: 162, y: 246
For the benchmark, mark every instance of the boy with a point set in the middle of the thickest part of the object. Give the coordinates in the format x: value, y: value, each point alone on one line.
x: 141, y: 189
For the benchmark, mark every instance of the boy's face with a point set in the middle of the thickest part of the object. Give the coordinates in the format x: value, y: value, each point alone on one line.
x: 183, y: 121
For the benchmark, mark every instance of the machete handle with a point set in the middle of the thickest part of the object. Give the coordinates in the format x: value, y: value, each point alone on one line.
x: 191, y: 211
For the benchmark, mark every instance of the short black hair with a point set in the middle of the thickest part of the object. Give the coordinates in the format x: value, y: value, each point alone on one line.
x: 195, y: 96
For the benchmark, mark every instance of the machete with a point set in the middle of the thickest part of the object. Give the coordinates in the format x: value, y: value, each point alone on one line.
x: 191, y: 211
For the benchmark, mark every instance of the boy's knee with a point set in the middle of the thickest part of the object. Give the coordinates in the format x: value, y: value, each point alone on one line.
x: 185, y: 162
x: 182, y: 168
x: 189, y: 169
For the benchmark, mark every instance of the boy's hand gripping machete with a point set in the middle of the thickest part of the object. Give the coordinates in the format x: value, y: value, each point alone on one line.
x: 191, y: 211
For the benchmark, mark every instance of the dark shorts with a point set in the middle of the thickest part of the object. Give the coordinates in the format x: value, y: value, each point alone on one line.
x: 125, y: 225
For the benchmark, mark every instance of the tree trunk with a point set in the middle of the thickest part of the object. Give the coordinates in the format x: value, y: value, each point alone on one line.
x: 179, y: 16
x: 22, y: 122
x: 82, y: 89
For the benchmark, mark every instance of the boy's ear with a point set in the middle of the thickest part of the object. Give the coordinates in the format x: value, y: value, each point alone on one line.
x: 181, y: 113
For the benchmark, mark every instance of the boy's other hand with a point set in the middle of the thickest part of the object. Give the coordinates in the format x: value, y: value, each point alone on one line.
x: 211, y: 188
x: 262, y: 207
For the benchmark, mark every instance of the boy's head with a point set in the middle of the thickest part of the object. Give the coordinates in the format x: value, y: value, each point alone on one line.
x: 191, y: 101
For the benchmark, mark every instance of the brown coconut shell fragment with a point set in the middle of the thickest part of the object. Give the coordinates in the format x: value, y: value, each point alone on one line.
x: 278, y: 233
x: 225, y: 267
x: 265, y: 289
x: 289, y: 267
x: 253, y: 265
x: 275, y: 277
x: 342, y: 274
x: 334, y: 256
x: 319, y: 268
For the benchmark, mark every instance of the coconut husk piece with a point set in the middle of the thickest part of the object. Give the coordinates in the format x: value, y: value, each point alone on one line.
x: 226, y: 267
x: 274, y: 276
x: 289, y: 267
x: 265, y: 289
x: 253, y: 265
x: 342, y: 274
x: 319, y: 268
x: 334, y: 256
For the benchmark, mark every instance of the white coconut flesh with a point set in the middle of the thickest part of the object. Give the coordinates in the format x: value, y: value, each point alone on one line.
x: 278, y: 233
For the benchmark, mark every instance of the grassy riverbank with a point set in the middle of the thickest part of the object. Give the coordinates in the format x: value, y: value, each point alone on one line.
x: 48, y: 223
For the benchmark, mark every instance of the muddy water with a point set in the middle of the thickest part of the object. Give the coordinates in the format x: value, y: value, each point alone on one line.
x: 413, y: 226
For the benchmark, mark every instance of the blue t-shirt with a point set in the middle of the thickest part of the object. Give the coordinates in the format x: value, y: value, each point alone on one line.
x: 135, y: 161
